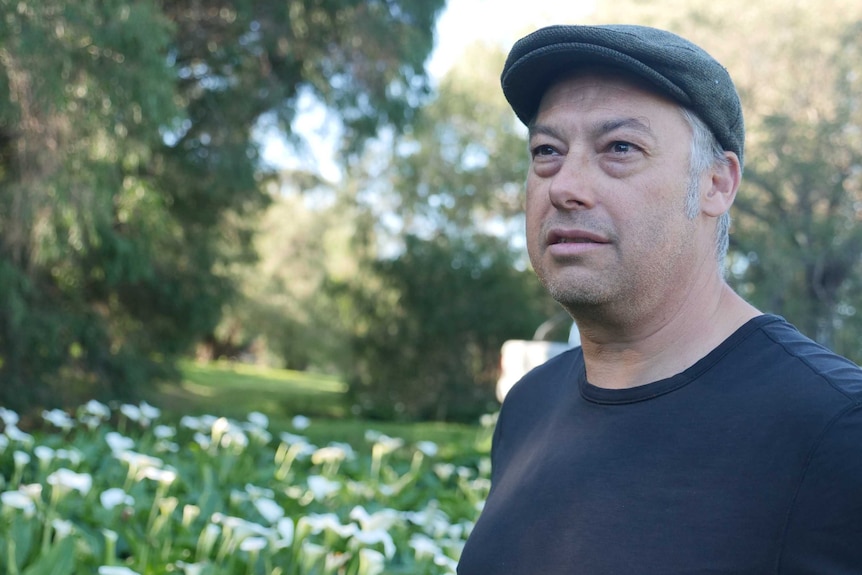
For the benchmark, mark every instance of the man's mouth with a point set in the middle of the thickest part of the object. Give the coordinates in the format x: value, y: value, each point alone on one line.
x: 575, y: 241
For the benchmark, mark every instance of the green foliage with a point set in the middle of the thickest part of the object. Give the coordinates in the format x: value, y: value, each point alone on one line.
x: 129, y: 174
x: 146, y: 493
x: 429, y: 331
x: 798, y: 213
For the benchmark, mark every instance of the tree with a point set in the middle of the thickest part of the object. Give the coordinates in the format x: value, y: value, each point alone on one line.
x: 429, y: 327
x: 798, y: 220
x: 129, y: 172
x: 441, y: 283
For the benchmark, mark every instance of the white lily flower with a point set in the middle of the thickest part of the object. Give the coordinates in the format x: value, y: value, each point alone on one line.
x: 132, y: 412
x: 4, y: 443
x: 32, y: 490
x: 258, y: 434
x: 18, y: 500
x: 137, y: 461
x: 432, y: 520
x: 292, y: 439
x: 285, y: 530
x: 322, y: 487
x: 97, y: 409
x: 67, y: 480
x: 208, y: 537
x: 253, y: 544
x: 43, y: 453
x: 163, y: 446
x: 190, y: 513
x: 312, y: 551
x: 191, y: 422
x: 59, y: 419
x: 300, y: 422
x: 255, y: 491
x: 149, y: 412
x: 62, y: 527
x: 377, y: 536
x: 423, y: 546
x: 329, y: 454
x: 335, y: 561
x: 371, y: 562
x: 91, y: 422
x: 21, y: 458
x: 203, y: 440
x: 388, y: 444
x: 191, y: 568
x: 383, y: 519
x: 9, y: 417
x: 72, y: 455
x: 241, y: 527
x: 446, y: 562
x: 444, y: 470
x: 164, y: 432
x: 429, y: 448
x: 116, y: 570
x: 164, y: 476
x: 234, y: 437
x: 219, y: 427
x: 15, y: 434
x: 269, y: 509
x: 259, y: 419
x: 319, y: 522
x: 371, y: 435
x: 114, y: 496
x: 118, y: 443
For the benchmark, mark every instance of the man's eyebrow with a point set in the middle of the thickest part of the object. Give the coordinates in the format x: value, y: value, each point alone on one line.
x: 635, y: 124
x: 534, y: 129
x: 606, y: 127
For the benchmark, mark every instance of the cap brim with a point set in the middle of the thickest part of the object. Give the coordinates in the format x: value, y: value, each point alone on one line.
x: 527, y: 79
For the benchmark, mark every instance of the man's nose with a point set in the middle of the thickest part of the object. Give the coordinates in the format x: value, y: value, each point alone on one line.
x: 573, y: 186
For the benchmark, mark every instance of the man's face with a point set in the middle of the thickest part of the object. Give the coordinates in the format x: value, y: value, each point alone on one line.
x: 605, y: 208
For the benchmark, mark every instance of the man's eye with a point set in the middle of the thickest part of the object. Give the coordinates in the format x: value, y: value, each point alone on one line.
x: 622, y: 147
x: 543, y: 150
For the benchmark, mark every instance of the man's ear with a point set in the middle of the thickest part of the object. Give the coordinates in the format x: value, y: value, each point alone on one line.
x: 723, y: 185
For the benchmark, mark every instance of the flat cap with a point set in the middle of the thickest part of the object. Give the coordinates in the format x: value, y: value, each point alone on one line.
x: 674, y: 66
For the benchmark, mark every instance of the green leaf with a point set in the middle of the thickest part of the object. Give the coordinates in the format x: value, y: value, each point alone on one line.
x: 60, y: 560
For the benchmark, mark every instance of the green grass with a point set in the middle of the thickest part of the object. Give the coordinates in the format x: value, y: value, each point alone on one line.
x: 233, y: 390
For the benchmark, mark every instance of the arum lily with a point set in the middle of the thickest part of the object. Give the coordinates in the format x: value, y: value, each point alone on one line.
x: 64, y: 480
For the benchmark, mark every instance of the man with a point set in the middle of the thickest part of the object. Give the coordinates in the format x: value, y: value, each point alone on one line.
x: 689, y: 433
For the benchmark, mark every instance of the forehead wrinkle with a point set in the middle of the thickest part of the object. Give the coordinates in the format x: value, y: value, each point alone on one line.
x: 605, y: 127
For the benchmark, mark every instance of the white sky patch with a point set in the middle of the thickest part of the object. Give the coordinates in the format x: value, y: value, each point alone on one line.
x: 464, y: 22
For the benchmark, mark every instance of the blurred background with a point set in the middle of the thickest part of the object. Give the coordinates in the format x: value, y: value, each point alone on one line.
x: 204, y: 203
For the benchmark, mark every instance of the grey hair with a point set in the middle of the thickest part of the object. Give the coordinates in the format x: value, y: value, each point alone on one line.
x: 705, y: 152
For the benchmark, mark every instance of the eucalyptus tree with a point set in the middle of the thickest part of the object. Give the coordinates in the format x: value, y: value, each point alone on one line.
x: 443, y: 280
x: 130, y: 177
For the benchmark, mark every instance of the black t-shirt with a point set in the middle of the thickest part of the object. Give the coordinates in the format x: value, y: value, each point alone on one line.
x: 749, y: 462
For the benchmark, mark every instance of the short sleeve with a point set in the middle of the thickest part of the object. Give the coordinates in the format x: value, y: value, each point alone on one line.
x: 824, y: 528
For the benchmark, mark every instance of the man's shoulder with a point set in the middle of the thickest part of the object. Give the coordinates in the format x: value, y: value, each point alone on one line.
x: 792, y: 350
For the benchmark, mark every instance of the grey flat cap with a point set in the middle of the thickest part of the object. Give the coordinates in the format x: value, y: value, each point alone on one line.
x: 673, y: 65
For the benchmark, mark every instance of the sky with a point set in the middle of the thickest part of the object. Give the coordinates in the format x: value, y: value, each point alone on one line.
x: 462, y: 22
x: 501, y: 21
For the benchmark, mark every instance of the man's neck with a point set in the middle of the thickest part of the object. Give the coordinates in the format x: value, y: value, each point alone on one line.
x: 628, y: 352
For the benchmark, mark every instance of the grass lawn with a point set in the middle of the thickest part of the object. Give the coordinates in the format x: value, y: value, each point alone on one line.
x: 233, y: 390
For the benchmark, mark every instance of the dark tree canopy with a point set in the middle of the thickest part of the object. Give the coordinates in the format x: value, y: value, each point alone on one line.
x: 129, y: 176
